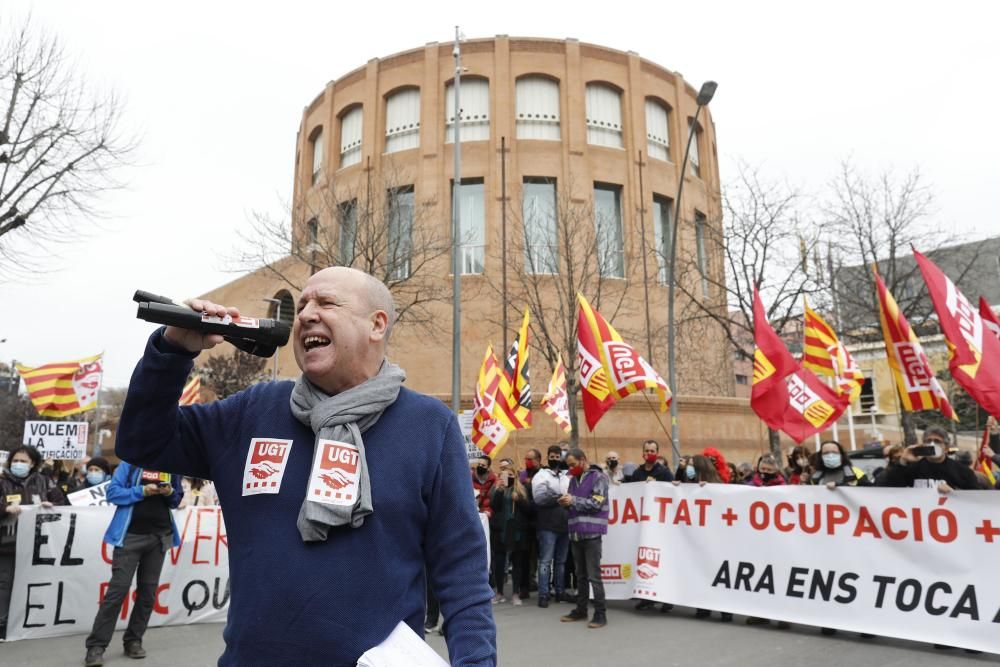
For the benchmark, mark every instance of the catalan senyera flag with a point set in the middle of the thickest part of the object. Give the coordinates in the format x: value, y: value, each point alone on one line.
x: 784, y: 395
x: 990, y: 320
x: 985, y: 463
x: 556, y: 399
x: 825, y: 354
x: 973, y: 354
x: 610, y: 368
x: 488, y: 432
x: 917, y: 386
x: 64, y: 388
x: 192, y: 392
x: 514, y: 397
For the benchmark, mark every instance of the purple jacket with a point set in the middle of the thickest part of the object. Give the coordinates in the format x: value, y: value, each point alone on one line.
x: 588, y: 515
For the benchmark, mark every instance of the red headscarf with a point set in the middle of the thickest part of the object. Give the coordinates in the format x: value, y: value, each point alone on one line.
x: 720, y: 462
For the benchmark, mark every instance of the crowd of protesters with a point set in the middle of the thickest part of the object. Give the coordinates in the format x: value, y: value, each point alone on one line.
x: 141, y: 535
x: 547, y: 517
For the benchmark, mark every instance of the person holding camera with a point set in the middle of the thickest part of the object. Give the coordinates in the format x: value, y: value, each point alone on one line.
x: 927, y: 466
x: 142, y: 530
x: 511, y: 505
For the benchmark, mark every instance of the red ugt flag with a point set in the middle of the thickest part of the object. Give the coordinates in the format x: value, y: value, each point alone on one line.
x: 974, y: 354
x: 785, y: 396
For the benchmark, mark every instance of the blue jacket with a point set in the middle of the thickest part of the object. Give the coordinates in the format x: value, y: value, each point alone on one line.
x: 323, y: 603
x: 125, y: 491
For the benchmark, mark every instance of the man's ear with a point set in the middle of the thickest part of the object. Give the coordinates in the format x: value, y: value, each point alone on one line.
x: 380, y: 325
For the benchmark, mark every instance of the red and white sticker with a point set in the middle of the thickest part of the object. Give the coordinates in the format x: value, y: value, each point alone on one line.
x: 335, y: 474
x: 265, y: 465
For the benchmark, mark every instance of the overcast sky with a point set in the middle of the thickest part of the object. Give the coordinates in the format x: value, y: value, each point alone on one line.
x: 215, y: 91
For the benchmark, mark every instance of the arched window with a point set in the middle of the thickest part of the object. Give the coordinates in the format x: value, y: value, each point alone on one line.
x: 402, y: 120
x: 284, y: 309
x: 474, y: 99
x: 604, y: 115
x: 350, y: 136
x: 694, y: 159
x: 657, y: 130
x: 537, y: 108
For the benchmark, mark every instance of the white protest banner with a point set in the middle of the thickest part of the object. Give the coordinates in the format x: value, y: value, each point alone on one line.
x: 907, y: 563
x: 57, y: 440
x: 62, y: 568
x: 92, y: 495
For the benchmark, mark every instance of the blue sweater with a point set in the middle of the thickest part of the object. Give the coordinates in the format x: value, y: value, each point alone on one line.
x: 323, y: 603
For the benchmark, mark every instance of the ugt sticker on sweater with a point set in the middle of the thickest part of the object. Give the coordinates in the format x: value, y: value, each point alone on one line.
x: 265, y: 466
x: 335, y: 473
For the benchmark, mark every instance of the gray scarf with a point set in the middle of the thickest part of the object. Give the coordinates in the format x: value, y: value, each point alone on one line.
x: 343, y: 418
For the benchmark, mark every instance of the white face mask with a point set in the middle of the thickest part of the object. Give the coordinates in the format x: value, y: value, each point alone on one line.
x: 832, y: 460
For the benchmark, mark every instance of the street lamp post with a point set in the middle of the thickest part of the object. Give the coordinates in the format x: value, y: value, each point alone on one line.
x: 456, y: 225
x: 704, y: 97
x: 277, y: 316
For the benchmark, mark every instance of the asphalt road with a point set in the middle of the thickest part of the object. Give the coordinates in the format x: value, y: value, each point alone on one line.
x: 530, y: 636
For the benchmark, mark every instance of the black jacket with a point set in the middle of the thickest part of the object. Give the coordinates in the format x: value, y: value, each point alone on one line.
x: 658, y: 473
x: 925, y: 473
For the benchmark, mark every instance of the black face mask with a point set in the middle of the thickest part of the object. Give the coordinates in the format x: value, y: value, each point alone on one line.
x: 612, y: 464
x: 555, y: 464
x: 481, y: 470
x: 767, y: 476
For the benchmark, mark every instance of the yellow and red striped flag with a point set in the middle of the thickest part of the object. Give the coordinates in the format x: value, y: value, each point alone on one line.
x: 556, y: 400
x: 514, y: 396
x: 824, y: 354
x: 985, y: 462
x: 192, y: 392
x: 918, y: 388
x: 489, y: 433
x: 64, y: 388
x: 610, y: 368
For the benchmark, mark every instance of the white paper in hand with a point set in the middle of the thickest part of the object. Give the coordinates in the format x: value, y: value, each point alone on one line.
x: 402, y: 648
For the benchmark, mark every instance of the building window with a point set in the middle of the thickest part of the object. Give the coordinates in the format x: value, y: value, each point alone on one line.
x: 539, y: 213
x: 657, y: 130
x: 402, y: 120
x: 608, y: 223
x: 316, y: 142
x: 867, y: 401
x: 537, y: 108
x: 695, y: 157
x: 472, y: 225
x: 700, y: 224
x: 347, y: 216
x: 663, y: 231
x: 604, y: 115
x: 475, y: 103
x: 350, y: 137
x: 400, y: 231
x: 284, y: 310
x: 741, y: 379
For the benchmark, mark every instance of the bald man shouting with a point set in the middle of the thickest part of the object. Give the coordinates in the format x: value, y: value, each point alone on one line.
x: 341, y: 490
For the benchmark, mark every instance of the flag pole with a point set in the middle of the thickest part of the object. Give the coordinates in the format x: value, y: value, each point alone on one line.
x: 836, y: 428
x: 456, y: 278
x: 656, y: 414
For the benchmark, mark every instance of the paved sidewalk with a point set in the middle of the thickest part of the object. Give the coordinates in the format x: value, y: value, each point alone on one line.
x: 530, y: 636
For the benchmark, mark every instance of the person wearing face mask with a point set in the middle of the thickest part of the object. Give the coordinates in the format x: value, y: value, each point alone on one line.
x: 21, y: 483
x: 927, y: 466
x: 767, y: 473
x: 98, y: 472
x: 587, y: 502
x: 547, y: 486
x: 511, y: 508
x: 798, y: 470
x: 613, y: 468
x: 650, y: 470
x: 834, y: 468
x: 483, y: 481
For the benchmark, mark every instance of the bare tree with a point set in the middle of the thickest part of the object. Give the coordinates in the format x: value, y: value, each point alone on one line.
x: 377, y: 226
x: 764, y: 241
x: 560, y: 245
x: 874, y: 221
x: 227, y: 374
x: 59, y: 147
